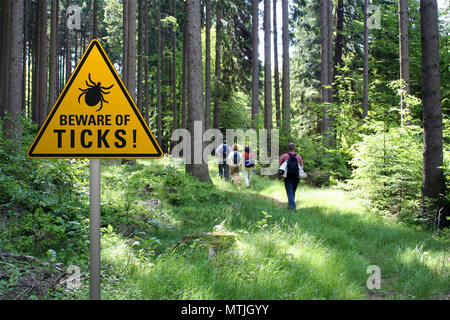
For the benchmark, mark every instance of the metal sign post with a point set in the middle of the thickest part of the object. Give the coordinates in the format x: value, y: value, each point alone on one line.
x: 94, y: 229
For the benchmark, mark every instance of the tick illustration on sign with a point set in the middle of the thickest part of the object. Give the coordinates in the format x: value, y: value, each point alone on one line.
x: 94, y: 93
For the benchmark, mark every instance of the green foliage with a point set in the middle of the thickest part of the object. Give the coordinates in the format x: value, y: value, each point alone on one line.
x: 43, y: 200
x: 36, y: 232
x: 263, y: 223
x: 388, y: 170
x: 324, y: 166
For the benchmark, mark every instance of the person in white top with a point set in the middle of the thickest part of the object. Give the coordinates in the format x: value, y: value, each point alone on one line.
x: 234, y: 160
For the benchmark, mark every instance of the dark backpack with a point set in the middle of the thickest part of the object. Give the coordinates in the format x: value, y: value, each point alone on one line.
x: 292, y: 166
x: 235, y: 159
x: 224, y: 151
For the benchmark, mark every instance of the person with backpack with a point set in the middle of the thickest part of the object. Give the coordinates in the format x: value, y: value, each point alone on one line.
x: 292, y: 175
x: 249, y: 164
x: 234, y: 160
x: 222, y: 153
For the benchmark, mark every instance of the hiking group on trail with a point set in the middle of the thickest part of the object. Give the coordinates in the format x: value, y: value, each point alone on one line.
x: 230, y: 162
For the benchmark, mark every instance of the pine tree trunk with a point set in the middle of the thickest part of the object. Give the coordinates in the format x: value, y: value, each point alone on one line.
x: 12, y: 124
x: 255, y: 61
x: 267, y: 69
x: 433, y: 183
x: 35, y: 72
x: 325, y: 63
x: 174, y: 70
x: 140, y: 54
x: 24, y: 57
x: 208, y: 66
x: 218, y: 71
x: 131, y: 78
x: 339, y: 41
x: 158, y: 106
x: 330, y: 53
x: 68, y: 57
x: 286, y: 86
x: 366, y: 62
x: 403, y: 22
x: 53, y: 74
x: 6, y: 31
x: 42, y: 93
x: 276, y: 71
x: 199, y: 170
x: 324, y: 57
x: 125, y: 44
x: 184, y: 77
x: 95, y: 19
x: 146, y: 64
x: 2, y: 5
x: 29, y: 76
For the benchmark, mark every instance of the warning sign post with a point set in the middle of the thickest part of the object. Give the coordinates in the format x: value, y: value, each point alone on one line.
x: 94, y: 118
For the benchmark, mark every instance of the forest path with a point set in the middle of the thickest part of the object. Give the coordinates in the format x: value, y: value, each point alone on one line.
x: 321, y: 251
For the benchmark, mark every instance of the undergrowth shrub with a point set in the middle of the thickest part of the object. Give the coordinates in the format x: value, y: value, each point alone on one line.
x: 388, y: 170
x: 324, y: 166
x: 42, y: 200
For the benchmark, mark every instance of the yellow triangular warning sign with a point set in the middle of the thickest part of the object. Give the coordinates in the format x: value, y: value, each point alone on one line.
x: 94, y: 117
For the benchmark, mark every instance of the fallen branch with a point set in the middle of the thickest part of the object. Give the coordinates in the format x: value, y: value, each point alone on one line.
x: 29, y: 258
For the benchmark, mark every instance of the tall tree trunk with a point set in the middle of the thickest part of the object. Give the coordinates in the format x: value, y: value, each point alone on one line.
x: 339, y: 41
x: 286, y: 86
x: 12, y: 125
x: 125, y: 44
x: 53, y: 74
x: 366, y: 62
x: 218, y: 71
x: 35, y: 71
x: 140, y: 54
x: 403, y: 22
x: 255, y: 61
x: 199, y: 170
x: 95, y: 19
x: 131, y: 78
x: 267, y: 69
x: 42, y: 93
x: 158, y: 71
x: 146, y: 64
x: 2, y: 5
x: 184, y: 77
x: 68, y: 57
x: 24, y: 57
x: 29, y: 75
x: 330, y: 54
x: 276, y: 71
x: 6, y: 32
x: 208, y: 66
x: 433, y: 183
x: 174, y: 69
x: 325, y: 64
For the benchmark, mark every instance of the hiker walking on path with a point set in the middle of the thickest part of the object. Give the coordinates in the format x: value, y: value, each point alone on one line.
x: 249, y: 164
x: 222, y: 152
x: 292, y: 179
x: 234, y: 160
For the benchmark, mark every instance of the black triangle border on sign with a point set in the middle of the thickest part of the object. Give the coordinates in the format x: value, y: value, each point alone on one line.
x: 156, y: 155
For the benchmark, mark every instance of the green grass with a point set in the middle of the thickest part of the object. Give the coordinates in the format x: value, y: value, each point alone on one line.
x: 322, y: 251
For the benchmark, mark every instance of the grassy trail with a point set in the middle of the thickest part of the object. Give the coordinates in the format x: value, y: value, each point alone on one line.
x: 322, y: 251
